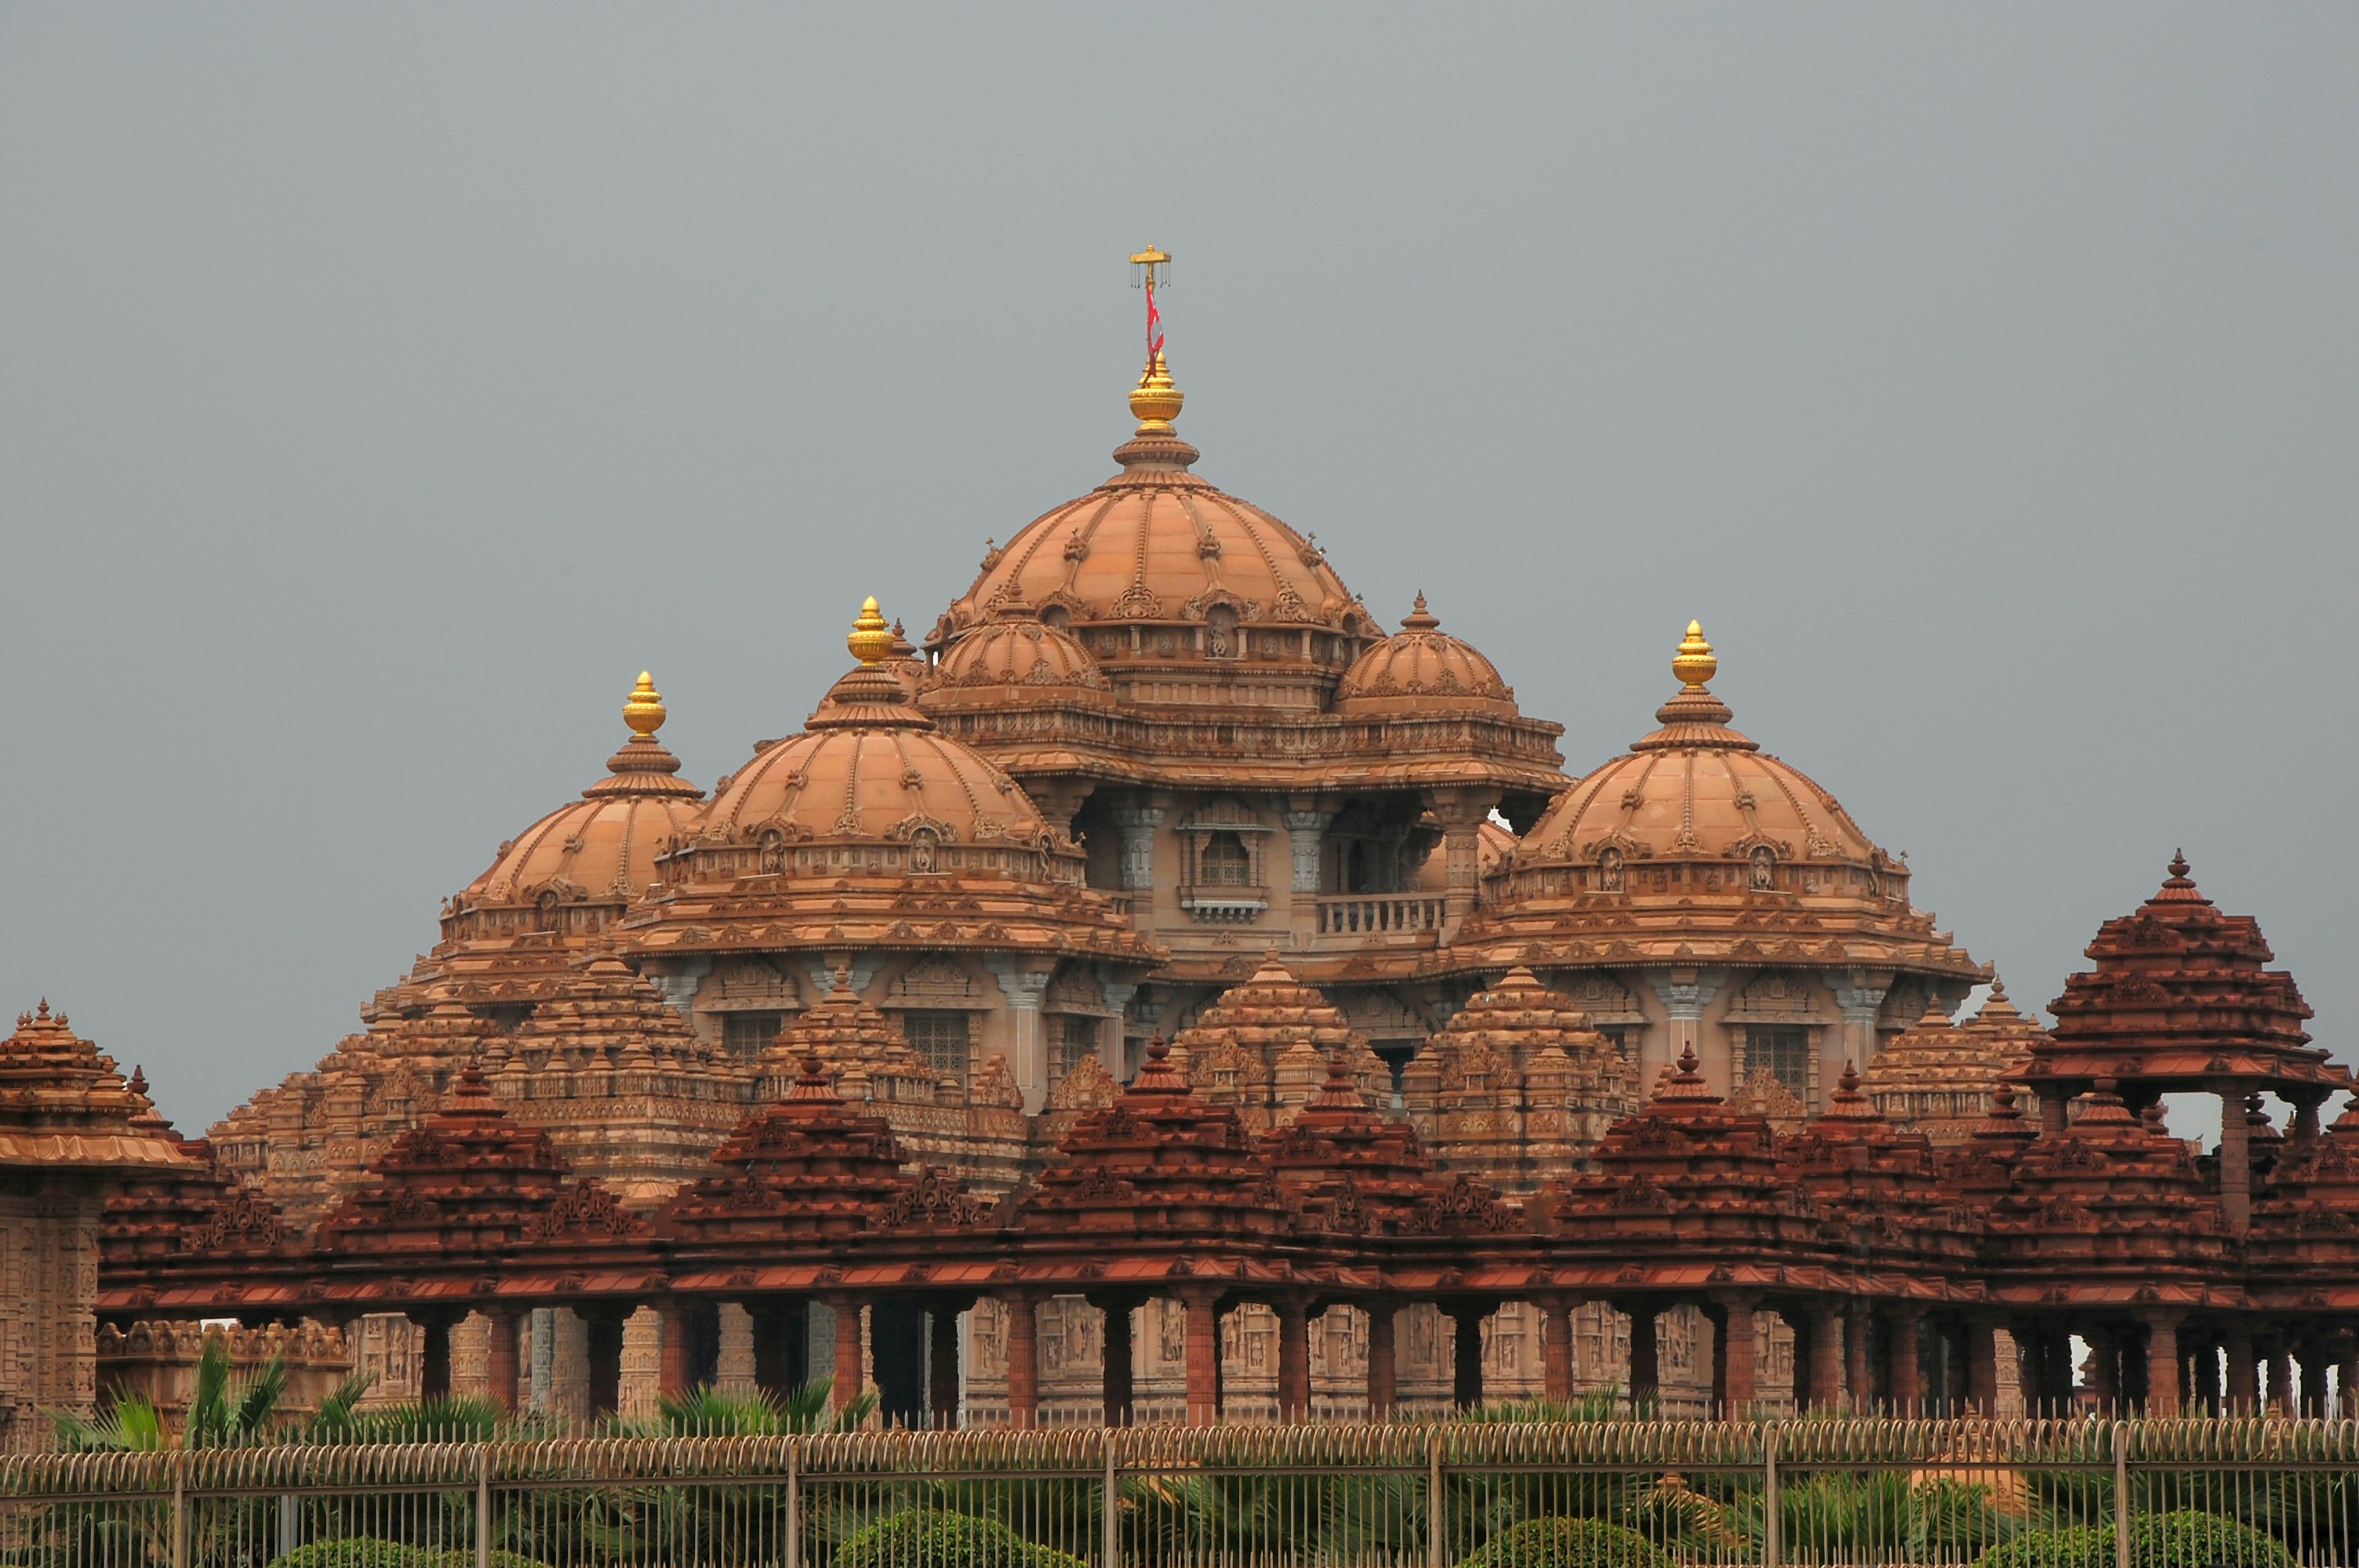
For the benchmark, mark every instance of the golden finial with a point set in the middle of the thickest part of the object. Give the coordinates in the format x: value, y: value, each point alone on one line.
x: 1694, y: 663
x: 644, y: 709
x: 872, y: 639
x: 1155, y: 400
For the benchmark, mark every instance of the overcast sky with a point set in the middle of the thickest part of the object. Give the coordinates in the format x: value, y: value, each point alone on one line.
x: 381, y: 388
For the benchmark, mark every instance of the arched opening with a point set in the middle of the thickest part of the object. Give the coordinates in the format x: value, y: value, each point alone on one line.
x: 1224, y: 861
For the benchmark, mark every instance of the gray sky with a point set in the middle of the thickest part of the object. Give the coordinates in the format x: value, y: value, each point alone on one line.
x: 381, y: 388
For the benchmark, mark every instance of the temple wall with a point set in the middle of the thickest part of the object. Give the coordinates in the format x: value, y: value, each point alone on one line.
x: 48, y: 1279
x: 157, y: 1360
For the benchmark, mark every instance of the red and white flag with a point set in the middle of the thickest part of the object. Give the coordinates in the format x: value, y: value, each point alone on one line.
x: 1154, y: 322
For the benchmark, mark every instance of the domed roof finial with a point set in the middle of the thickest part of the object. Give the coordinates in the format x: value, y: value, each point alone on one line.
x: 1420, y: 619
x: 871, y: 640
x: 1694, y: 663
x: 643, y: 710
x: 1155, y: 400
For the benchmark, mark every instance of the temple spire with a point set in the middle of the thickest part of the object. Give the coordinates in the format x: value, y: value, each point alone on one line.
x: 1155, y: 400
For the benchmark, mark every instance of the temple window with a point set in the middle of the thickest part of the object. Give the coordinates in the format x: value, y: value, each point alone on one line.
x: 748, y: 1035
x: 1784, y: 1050
x: 940, y: 1039
x: 1073, y: 1041
x: 1224, y: 861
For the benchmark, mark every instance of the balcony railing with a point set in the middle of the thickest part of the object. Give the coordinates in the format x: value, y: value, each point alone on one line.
x: 1378, y: 915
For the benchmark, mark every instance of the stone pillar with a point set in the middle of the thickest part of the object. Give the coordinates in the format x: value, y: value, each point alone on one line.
x: 1982, y: 1366
x: 1646, y: 1354
x: 1116, y: 1379
x: 1203, y: 1353
x: 850, y: 1358
x: 1556, y: 1348
x: 2163, y: 1371
x: 2235, y: 1162
x: 2311, y: 1358
x: 1384, y: 1362
x: 1685, y: 993
x: 1859, y: 1389
x: 1023, y: 1313
x: 1466, y: 1356
x: 1462, y: 812
x: 1136, y: 822
x: 603, y: 1336
x: 1901, y: 1362
x: 674, y: 1373
x: 942, y: 1366
x: 1733, y: 1355
x: 1293, y: 1359
x: 1861, y: 1001
x: 2346, y: 1381
x: 735, y: 1373
x: 501, y: 1371
x: 1022, y: 982
x: 1826, y: 1358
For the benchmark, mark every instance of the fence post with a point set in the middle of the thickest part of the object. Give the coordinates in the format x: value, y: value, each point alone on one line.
x: 2120, y: 1494
x: 1435, y: 1501
x: 181, y: 1509
x: 1770, y: 1553
x: 1110, y: 1534
x: 483, y: 1505
x: 794, y: 1503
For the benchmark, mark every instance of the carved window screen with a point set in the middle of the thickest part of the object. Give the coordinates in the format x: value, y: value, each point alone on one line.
x: 1073, y: 1038
x: 749, y: 1034
x: 1224, y: 861
x: 1785, y: 1051
x: 941, y: 1039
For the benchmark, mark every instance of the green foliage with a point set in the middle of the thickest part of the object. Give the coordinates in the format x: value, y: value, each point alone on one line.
x: 913, y: 1539
x: 356, y: 1552
x: 1568, y: 1543
x: 220, y: 1415
x: 2188, y: 1538
x: 706, y: 1411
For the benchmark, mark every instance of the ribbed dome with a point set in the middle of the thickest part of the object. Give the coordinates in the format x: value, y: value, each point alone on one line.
x: 1696, y: 789
x: 601, y: 848
x: 1015, y: 649
x: 1157, y: 544
x: 870, y: 768
x: 1422, y: 669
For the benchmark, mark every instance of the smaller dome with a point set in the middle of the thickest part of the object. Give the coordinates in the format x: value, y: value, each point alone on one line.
x: 1420, y: 669
x: 1016, y: 655
x: 601, y: 848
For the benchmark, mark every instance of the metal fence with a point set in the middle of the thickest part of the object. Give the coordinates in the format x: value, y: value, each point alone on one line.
x: 2079, y: 1494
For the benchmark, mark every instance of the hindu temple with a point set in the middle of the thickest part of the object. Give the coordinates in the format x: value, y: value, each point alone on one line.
x: 1167, y: 993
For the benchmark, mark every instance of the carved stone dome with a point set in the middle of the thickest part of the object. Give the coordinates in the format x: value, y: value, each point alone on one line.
x: 871, y: 769
x: 1698, y: 790
x: 1197, y: 572
x: 598, y: 850
x: 1422, y: 669
x: 1015, y: 650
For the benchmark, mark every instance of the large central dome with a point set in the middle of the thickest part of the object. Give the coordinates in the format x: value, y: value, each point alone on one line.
x: 1156, y: 547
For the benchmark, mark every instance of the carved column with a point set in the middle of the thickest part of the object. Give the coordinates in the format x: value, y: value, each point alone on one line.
x: 851, y: 1347
x: 2280, y: 1395
x: 1023, y: 981
x: 1982, y: 1366
x: 1136, y: 822
x: 1116, y: 1380
x: 942, y: 1365
x: 1384, y: 1363
x: 2235, y: 1162
x: 1685, y: 993
x: 673, y: 1372
x: 501, y: 1368
x: 434, y: 1353
x: 2346, y: 1380
x: 2244, y: 1370
x: 602, y: 1344
x: 1900, y: 1361
x: 1860, y: 1001
x: 1306, y: 818
x: 1293, y: 1358
x: 1203, y: 1352
x: 2163, y: 1372
x: 1556, y: 1348
x: 1733, y: 1354
x: 1462, y: 812
x: 1022, y: 1312
x: 1466, y: 1355
x: 1826, y: 1358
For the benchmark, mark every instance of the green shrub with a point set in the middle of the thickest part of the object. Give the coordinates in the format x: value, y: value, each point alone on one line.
x: 465, y: 1557
x: 912, y: 1540
x: 355, y: 1551
x: 2187, y: 1539
x: 1568, y: 1543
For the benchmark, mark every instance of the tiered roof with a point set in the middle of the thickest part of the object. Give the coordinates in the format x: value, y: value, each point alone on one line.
x: 1518, y: 1085
x: 1348, y: 1169
x: 1260, y: 1047
x: 64, y: 1107
x: 1937, y: 1077
x: 2179, y: 1000
x: 2307, y: 1221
